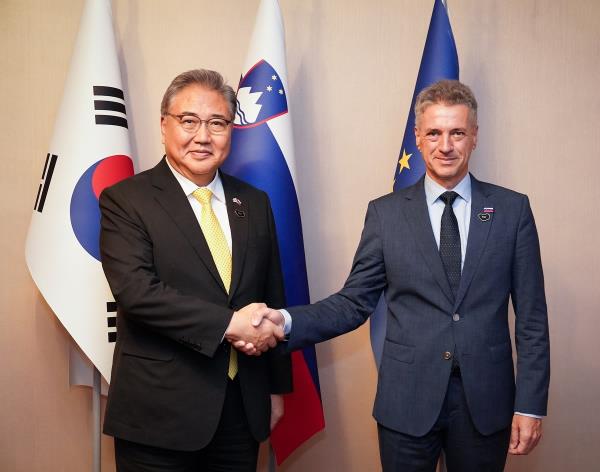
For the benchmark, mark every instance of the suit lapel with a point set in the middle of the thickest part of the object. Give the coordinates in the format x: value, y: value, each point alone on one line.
x: 169, y: 195
x: 478, y: 234
x: 238, y: 213
x: 417, y: 215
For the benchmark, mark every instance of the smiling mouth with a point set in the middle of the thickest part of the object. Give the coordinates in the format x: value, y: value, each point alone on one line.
x: 201, y: 153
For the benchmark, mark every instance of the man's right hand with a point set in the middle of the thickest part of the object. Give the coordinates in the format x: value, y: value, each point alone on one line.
x: 252, y: 337
x: 261, y: 317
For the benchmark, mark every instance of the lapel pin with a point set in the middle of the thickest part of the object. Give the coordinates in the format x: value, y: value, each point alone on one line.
x: 240, y: 213
x: 237, y: 201
x: 486, y: 214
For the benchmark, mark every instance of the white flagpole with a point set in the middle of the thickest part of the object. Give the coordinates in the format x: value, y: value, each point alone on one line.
x: 89, y: 150
x: 96, y: 434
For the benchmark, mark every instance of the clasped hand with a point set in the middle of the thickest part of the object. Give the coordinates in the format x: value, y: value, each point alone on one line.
x: 255, y: 328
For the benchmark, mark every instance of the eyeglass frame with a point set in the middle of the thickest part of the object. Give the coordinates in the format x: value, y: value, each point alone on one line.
x: 181, y: 115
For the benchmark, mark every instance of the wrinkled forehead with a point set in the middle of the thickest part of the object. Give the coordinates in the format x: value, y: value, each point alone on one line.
x: 200, y: 100
x: 443, y: 105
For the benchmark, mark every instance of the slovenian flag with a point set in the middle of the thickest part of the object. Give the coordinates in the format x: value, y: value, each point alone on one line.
x: 439, y: 61
x: 89, y: 151
x: 262, y: 154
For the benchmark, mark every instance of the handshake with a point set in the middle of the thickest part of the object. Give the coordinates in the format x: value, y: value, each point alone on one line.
x: 255, y: 329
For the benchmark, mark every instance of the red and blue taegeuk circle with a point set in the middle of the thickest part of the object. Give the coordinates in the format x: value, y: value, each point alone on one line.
x: 85, y: 211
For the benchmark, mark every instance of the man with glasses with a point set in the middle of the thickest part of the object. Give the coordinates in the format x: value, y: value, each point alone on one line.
x: 448, y: 252
x: 184, y: 247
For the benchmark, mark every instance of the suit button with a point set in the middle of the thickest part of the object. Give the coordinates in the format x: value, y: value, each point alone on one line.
x: 456, y: 317
x: 447, y: 355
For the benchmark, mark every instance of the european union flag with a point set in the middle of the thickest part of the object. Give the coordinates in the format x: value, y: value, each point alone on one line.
x: 439, y: 61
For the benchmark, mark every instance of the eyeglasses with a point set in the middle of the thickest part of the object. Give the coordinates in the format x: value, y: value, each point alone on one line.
x: 191, y: 123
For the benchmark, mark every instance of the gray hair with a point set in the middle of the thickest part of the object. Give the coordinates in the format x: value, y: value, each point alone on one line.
x: 447, y: 92
x: 206, y: 78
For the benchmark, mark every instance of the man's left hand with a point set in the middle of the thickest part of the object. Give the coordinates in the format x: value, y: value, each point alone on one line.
x: 525, y: 433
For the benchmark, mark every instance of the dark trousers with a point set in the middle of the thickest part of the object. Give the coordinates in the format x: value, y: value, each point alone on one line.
x: 232, y: 448
x: 464, y: 447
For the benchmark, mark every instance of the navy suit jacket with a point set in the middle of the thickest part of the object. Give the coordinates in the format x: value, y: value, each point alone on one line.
x: 398, y: 254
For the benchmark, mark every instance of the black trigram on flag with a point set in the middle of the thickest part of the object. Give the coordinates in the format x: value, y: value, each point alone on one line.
x: 40, y: 199
x: 111, y: 321
x: 109, y: 99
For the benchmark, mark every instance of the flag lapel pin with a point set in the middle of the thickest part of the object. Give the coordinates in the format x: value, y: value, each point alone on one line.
x: 486, y: 214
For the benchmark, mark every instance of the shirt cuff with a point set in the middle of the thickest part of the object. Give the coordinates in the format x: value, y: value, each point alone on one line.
x: 288, y: 322
x: 528, y: 414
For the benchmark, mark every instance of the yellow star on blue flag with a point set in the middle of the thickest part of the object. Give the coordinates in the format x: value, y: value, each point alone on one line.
x: 403, y: 162
x: 439, y: 61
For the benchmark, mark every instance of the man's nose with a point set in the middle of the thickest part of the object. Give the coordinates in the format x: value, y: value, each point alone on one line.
x: 202, y: 135
x: 445, y: 144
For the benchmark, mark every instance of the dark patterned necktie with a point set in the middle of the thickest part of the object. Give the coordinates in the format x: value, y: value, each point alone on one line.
x: 450, y: 241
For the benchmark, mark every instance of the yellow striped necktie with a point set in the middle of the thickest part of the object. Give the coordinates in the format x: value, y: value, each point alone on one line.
x: 219, y: 249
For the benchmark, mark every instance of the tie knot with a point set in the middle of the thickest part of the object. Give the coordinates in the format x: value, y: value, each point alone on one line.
x: 448, y: 197
x: 203, y: 195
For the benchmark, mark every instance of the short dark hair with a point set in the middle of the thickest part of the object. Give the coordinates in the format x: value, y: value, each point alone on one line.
x: 447, y: 92
x: 206, y: 78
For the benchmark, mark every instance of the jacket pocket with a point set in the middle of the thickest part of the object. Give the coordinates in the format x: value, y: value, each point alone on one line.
x: 148, y: 349
x: 399, y: 352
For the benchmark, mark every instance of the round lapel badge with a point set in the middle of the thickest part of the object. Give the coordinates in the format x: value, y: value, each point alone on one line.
x: 484, y: 216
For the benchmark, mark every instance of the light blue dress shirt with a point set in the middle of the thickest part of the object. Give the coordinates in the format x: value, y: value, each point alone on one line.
x: 461, y: 207
x: 462, y: 210
x: 435, y: 206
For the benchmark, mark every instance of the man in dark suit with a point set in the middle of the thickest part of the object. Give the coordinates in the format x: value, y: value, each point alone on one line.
x: 448, y: 252
x: 184, y: 246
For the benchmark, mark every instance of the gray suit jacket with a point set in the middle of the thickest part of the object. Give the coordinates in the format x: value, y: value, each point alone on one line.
x: 398, y: 253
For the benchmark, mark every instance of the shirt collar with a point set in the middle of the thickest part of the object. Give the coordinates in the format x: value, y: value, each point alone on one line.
x: 433, y: 190
x: 189, y: 187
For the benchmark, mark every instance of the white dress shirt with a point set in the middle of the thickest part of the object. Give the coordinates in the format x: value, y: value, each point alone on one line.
x: 217, y: 200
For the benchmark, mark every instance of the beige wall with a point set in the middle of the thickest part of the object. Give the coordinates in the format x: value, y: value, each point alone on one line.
x: 352, y: 66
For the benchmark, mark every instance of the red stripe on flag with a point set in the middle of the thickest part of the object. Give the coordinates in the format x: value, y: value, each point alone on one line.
x: 303, y: 415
